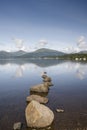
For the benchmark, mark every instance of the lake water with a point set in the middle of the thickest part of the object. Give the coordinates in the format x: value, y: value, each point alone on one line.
x: 69, y: 92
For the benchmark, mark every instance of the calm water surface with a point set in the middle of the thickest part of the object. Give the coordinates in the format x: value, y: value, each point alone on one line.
x: 69, y: 92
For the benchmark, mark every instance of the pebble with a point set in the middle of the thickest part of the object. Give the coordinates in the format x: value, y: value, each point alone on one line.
x: 17, y: 126
x: 60, y: 110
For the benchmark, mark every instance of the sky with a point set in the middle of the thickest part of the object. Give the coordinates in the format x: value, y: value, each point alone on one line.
x: 32, y: 24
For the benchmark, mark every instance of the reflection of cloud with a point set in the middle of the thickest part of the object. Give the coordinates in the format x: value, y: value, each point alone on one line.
x: 71, y: 66
x: 35, y: 67
x: 80, y: 70
x: 81, y: 43
x: 80, y: 74
x: 5, y: 67
x: 19, y: 71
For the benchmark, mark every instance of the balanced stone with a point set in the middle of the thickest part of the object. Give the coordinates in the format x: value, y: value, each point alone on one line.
x: 44, y: 76
x: 37, y: 98
x: 44, y: 87
x: 47, y: 79
x: 49, y: 83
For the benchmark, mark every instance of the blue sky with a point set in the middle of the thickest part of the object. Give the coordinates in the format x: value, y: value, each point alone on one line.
x: 32, y: 24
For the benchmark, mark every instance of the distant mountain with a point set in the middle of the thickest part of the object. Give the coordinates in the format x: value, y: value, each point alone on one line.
x: 82, y: 52
x: 6, y: 55
x: 40, y: 53
x: 45, y: 50
x: 18, y: 53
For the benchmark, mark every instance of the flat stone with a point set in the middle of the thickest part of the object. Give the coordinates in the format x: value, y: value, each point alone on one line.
x: 37, y: 98
x: 49, y: 83
x: 39, y: 94
x: 44, y: 87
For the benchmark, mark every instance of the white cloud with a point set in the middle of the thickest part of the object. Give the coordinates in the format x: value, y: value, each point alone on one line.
x: 70, y: 49
x: 41, y: 44
x: 81, y: 43
x: 81, y: 39
x: 6, y: 47
x: 19, y: 43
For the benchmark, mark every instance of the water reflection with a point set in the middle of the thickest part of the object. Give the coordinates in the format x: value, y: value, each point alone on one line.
x: 80, y: 69
x: 80, y: 74
x: 69, y: 91
x: 19, y: 71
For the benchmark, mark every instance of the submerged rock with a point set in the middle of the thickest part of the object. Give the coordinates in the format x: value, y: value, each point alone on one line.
x: 40, y: 88
x: 17, y: 126
x: 37, y: 98
x: 38, y: 115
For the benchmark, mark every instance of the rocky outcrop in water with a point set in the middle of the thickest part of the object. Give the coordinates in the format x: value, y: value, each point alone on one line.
x: 38, y: 115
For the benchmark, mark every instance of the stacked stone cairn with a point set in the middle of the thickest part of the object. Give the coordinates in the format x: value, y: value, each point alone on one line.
x: 36, y: 113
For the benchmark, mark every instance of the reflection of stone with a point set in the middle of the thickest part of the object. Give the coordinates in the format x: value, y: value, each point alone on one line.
x: 38, y: 115
x: 37, y: 98
x: 19, y: 71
